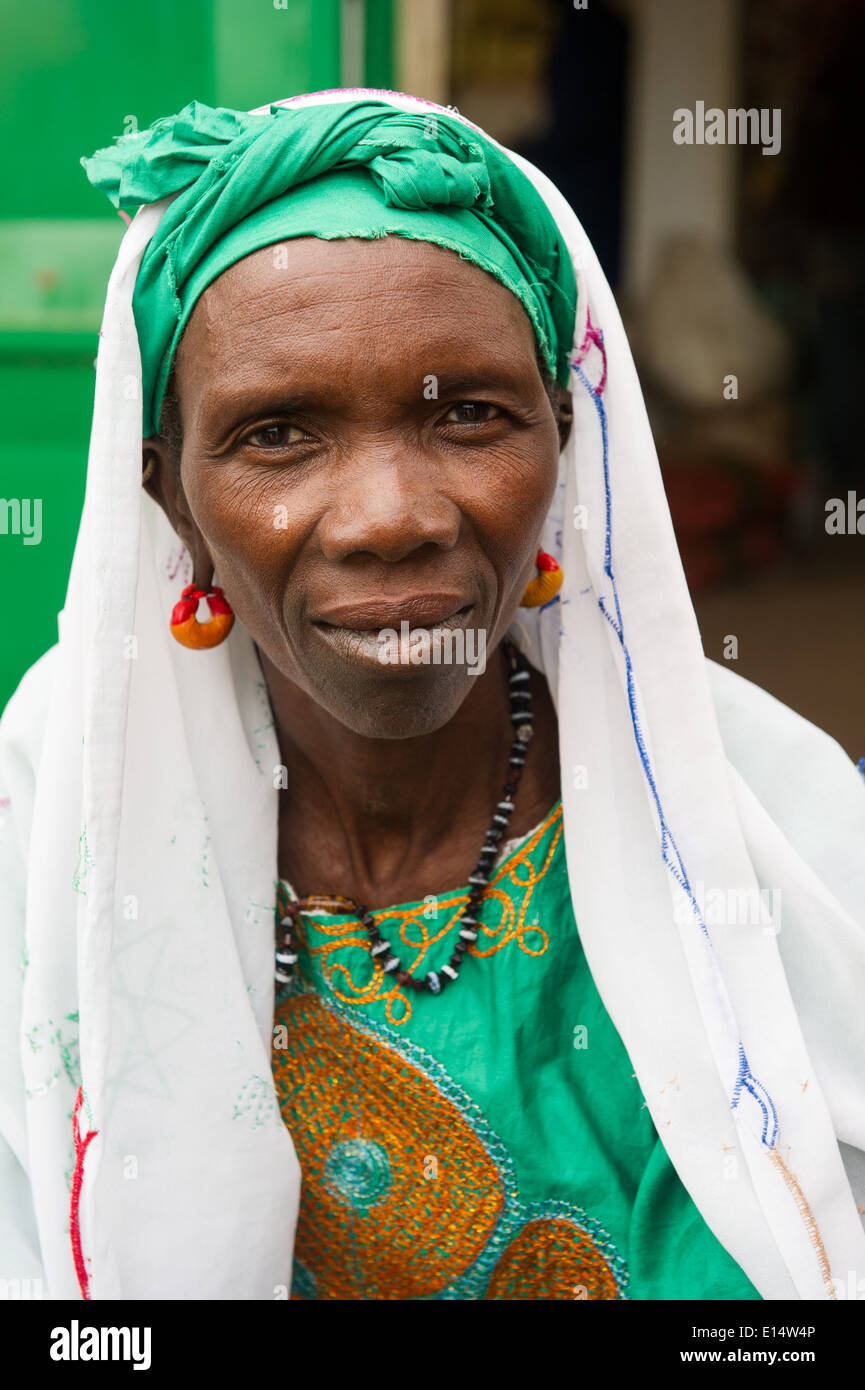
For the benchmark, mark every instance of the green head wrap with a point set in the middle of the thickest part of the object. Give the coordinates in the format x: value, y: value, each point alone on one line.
x: 358, y: 169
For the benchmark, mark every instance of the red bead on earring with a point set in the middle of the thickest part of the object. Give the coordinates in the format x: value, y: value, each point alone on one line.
x: 185, y: 627
x: 546, y: 583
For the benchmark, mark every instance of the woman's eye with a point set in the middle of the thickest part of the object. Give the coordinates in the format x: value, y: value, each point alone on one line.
x: 274, y: 436
x: 472, y: 412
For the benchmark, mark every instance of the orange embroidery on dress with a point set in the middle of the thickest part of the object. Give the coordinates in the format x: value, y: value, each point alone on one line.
x: 809, y: 1220
x: 406, y: 1191
x: 552, y: 1259
x: 421, y: 934
x: 372, y: 1223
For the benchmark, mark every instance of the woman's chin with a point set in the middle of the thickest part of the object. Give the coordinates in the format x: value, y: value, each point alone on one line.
x: 391, y: 701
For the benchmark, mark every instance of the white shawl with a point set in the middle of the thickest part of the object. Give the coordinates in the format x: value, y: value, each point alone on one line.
x: 138, y: 865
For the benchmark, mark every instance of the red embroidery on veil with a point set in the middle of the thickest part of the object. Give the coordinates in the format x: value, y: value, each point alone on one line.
x: 593, y: 337
x: 81, y: 1146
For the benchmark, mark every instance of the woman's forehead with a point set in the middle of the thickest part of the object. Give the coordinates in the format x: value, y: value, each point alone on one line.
x: 312, y: 298
x: 314, y: 269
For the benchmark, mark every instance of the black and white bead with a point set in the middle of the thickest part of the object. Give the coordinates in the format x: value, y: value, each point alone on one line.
x: 520, y: 697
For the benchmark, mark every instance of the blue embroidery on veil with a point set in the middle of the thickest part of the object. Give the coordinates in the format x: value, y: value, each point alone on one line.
x: 745, y: 1079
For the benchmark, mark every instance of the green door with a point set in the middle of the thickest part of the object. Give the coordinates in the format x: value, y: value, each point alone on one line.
x: 75, y: 74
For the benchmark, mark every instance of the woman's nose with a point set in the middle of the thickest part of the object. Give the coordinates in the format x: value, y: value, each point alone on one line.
x: 390, y: 503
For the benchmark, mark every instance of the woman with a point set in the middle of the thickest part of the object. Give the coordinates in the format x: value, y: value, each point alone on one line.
x: 447, y: 725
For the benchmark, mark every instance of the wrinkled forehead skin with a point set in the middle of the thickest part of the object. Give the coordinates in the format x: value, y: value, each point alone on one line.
x: 377, y: 317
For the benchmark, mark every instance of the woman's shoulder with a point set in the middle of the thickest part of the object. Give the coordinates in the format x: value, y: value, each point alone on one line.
x: 801, y: 776
x: 29, y: 699
x: 22, y: 727
x: 767, y: 740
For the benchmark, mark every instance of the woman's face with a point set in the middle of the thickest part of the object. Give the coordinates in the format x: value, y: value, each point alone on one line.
x: 366, y: 440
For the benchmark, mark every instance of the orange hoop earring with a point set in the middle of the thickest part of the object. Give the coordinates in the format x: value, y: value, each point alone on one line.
x: 546, y: 583
x: 185, y: 627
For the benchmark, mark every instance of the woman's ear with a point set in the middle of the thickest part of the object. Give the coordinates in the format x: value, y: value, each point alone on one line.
x: 564, y: 411
x: 154, y: 464
x: 160, y: 477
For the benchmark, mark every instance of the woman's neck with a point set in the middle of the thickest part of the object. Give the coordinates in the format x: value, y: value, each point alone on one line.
x: 389, y: 820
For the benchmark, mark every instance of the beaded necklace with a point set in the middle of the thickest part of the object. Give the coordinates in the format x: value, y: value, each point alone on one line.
x: 519, y: 690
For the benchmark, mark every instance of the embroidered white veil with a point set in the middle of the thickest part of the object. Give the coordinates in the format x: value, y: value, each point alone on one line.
x: 138, y: 859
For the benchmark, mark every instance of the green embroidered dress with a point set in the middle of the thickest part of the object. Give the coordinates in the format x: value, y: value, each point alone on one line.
x: 490, y: 1142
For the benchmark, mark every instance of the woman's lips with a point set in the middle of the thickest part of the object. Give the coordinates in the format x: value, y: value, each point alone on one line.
x: 357, y: 635
x: 419, y: 610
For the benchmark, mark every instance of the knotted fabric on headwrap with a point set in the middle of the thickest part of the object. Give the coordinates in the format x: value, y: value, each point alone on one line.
x: 245, y: 181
